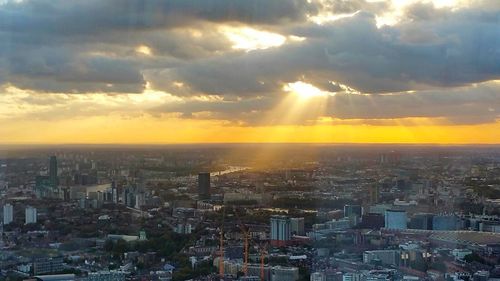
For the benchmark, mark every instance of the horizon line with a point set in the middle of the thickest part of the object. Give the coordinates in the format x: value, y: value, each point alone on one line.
x: 249, y: 143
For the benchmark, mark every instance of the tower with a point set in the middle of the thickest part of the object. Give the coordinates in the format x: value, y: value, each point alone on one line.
x: 53, y: 171
x: 204, y: 185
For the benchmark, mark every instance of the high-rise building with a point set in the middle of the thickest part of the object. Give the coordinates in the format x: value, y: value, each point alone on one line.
x: 297, y: 226
x: 30, y: 215
x: 204, y: 185
x: 8, y: 213
x: 353, y: 210
x: 53, y: 171
x: 280, y: 231
x: 395, y: 219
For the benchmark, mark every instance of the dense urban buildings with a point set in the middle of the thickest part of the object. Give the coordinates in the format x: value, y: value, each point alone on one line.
x: 209, y: 213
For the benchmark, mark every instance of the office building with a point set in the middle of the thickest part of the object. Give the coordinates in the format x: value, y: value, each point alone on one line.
x: 421, y: 221
x: 297, y: 226
x: 48, y: 265
x: 113, y: 275
x: 204, y: 185
x: 372, y: 221
x: 445, y: 222
x: 53, y: 171
x: 318, y: 276
x: 8, y: 214
x: 353, y: 210
x: 281, y: 273
x: 384, y: 257
x: 395, y: 219
x: 280, y: 231
x: 351, y: 276
x: 30, y: 215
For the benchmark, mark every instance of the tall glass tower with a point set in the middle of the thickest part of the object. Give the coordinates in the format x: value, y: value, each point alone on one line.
x: 53, y: 171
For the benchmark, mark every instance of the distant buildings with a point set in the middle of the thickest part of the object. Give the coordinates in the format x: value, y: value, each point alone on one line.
x: 8, y: 214
x: 280, y: 231
x: 395, y: 219
x: 30, y: 215
x: 204, y: 185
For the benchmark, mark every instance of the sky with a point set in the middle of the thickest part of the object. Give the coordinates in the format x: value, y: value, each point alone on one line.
x: 233, y: 71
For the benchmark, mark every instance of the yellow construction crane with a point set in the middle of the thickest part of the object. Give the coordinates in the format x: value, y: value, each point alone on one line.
x: 263, y: 253
x: 246, y: 237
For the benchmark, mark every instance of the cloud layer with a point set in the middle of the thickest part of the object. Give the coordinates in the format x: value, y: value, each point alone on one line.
x: 435, y: 62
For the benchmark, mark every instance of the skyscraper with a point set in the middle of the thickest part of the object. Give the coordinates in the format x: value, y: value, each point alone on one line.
x: 30, y: 215
x: 204, y: 185
x: 280, y: 231
x: 53, y: 171
x: 8, y: 213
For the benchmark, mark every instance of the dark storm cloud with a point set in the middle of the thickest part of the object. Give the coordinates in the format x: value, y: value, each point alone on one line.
x: 70, y: 18
x: 463, y: 48
x: 45, y: 44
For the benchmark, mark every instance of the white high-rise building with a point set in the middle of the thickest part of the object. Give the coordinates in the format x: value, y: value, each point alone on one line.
x: 280, y: 231
x: 8, y: 214
x: 30, y: 215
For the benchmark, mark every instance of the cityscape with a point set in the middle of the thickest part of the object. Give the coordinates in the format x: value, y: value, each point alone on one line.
x: 219, y: 212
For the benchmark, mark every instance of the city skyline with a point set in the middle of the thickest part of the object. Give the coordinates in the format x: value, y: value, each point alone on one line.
x: 320, y: 71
